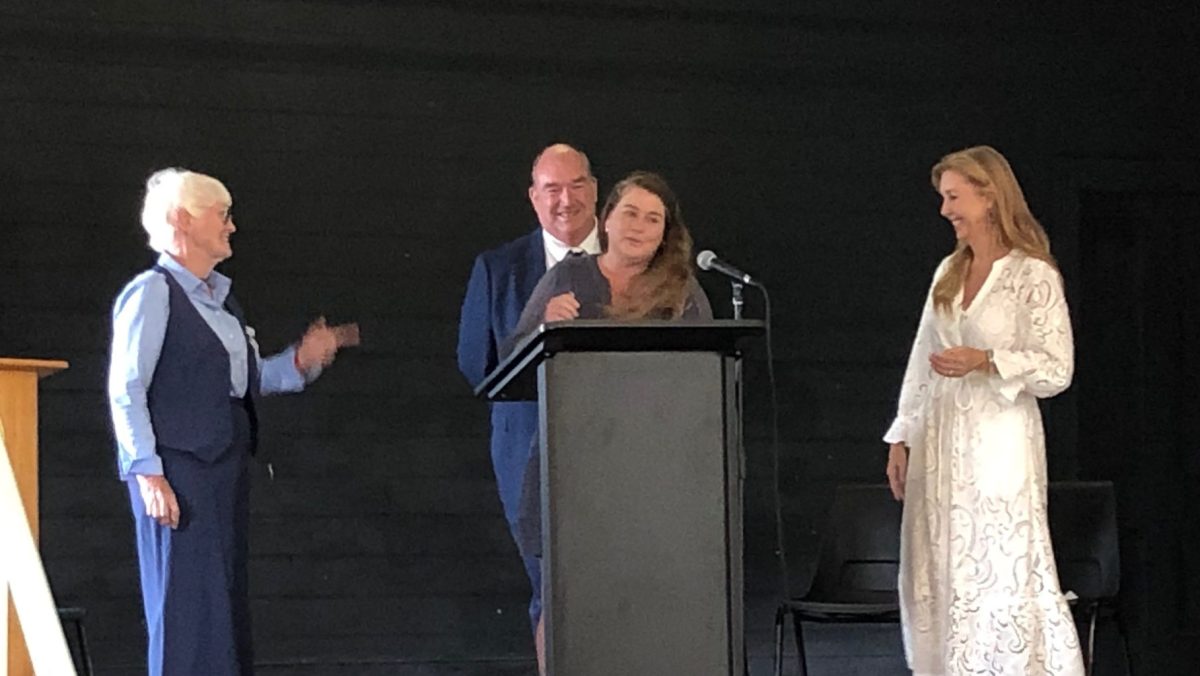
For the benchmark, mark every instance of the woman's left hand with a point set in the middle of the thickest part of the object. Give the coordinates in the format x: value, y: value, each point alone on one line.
x: 957, y: 362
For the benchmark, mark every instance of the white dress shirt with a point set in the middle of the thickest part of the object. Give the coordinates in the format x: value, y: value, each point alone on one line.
x: 556, y: 249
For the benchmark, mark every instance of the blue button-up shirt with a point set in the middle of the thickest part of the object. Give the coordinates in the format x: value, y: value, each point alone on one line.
x: 139, y: 327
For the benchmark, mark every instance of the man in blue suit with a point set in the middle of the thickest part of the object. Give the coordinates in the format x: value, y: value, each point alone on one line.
x: 563, y: 194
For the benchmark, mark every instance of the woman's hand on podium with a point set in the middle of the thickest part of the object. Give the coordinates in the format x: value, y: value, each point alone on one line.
x: 159, y: 499
x: 561, y: 307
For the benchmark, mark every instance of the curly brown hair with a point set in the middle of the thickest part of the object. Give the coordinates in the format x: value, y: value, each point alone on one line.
x: 660, y: 291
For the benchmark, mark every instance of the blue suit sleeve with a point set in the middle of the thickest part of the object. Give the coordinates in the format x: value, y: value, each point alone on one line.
x: 476, y: 341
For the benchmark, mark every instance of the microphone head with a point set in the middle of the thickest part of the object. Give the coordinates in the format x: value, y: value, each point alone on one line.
x: 705, y: 259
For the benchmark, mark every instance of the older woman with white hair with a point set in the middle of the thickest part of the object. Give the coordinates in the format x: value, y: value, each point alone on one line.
x: 183, y: 379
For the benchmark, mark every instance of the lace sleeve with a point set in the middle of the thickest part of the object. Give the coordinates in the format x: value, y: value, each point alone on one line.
x: 1043, y: 360
x: 918, y: 375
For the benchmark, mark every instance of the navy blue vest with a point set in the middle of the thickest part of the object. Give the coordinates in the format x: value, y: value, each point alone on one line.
x: 189, y: 398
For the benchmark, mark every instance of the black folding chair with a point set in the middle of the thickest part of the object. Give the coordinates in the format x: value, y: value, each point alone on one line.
x: 856, y: 575
x: 1083, y: 529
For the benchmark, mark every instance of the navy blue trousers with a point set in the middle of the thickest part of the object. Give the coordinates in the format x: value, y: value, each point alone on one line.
x: 194, y: 589
x: 514, y: 438
x: 533, y: 570
x: 526, y: 526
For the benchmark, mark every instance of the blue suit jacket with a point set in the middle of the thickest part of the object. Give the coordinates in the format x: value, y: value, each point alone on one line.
x: 502, y: 281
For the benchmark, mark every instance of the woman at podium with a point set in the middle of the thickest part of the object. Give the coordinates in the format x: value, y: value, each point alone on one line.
x: 183, y: 379
x: 979, y: 590
x: 644, y: 271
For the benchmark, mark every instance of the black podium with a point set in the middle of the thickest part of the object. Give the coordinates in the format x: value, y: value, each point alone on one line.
x: 641, y: 492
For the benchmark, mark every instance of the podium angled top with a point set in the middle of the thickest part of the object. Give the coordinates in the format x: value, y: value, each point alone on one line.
x: 43, y: 367
x: 515, y: 379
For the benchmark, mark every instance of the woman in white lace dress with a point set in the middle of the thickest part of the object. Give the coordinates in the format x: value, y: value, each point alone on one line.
x: 979, y: 591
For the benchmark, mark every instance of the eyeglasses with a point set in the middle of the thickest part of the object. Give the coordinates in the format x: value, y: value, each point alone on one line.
x: 227, y: 215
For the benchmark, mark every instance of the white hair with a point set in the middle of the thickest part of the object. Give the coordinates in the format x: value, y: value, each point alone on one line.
x: 169, y: 189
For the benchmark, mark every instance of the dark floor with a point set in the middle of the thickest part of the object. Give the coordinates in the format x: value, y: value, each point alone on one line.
x: 843, y: 650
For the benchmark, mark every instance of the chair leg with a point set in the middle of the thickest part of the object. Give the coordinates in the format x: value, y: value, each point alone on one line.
x: 1125, y: 655
x: 780, y: 619
x: 1091, y: 640
x: 801, y: 657
x: 84, y: 653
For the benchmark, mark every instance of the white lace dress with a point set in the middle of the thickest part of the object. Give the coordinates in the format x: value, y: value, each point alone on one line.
x: 979, y: 590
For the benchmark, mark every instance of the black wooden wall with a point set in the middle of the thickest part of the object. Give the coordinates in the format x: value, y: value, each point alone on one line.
x: 373, y: 148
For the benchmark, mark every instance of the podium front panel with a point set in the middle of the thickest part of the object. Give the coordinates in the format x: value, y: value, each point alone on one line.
x: 642, y: 514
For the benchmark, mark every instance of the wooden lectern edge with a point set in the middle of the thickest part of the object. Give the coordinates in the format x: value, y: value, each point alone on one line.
x: 43, y: 367
x: 15, y: 658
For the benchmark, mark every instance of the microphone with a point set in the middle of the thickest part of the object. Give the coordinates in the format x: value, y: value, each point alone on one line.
x: 707, y: 260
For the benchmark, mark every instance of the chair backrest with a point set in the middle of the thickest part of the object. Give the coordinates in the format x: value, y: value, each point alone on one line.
x: 860, y: 547
x: 1083, y: 529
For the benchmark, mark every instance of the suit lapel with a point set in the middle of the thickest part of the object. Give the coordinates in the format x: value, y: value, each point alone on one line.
x: 531, y: 265
x: 537, y: 254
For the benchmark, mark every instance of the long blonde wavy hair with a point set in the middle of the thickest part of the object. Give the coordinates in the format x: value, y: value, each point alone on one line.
x: 1014, y: 225
x: 661, y: 290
